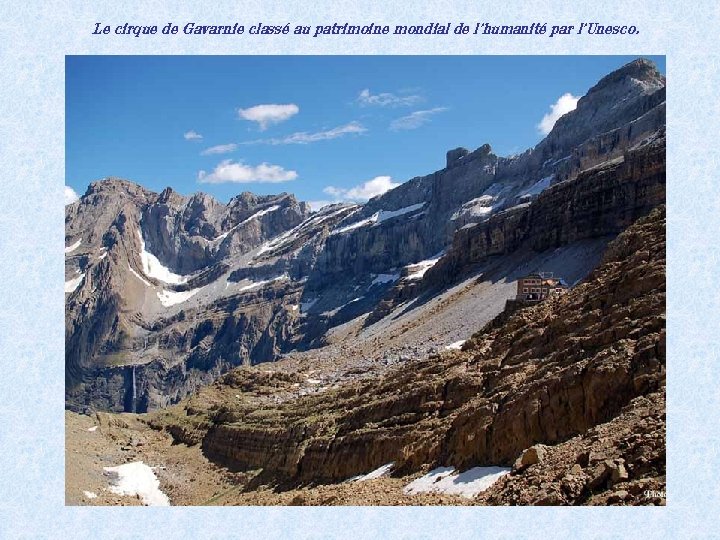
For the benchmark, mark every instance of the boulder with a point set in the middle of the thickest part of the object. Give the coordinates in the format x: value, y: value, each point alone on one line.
x: 531, y: 456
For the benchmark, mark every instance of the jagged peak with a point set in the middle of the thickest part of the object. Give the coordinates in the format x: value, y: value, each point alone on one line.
x: 608, y: 104
x: 246, y: 199
x: 169, y: 195
x: 249, y: 200
x: 458, y: 155
x: 455, y: 154
x: 200, y: 197
x: 113, y: 182
x: 640, y: 69
x: 113, y: 185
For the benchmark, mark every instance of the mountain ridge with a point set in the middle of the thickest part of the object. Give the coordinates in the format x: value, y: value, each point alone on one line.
x: 172, y: 291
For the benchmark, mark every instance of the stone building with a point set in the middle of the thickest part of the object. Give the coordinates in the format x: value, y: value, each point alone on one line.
x: 538, y: 286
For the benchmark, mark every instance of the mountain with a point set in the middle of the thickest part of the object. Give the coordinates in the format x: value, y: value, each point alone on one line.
x: 165, y: 293
x: 561, y: 402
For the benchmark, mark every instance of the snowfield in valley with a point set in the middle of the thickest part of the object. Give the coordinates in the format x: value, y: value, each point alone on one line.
x: 384, y: 470
x: 446, y: 480
x: 137, y: 479
x: 170, y: 298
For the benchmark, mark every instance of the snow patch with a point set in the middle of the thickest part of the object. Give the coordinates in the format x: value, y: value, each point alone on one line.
x: 372, y: 475
x: 483, y: 205
x: 516, y: 207
x: 74, y: 283
x: 384, y: 278
x: 152, y: 267
x: 136, y: 478
x: 73, y: 247
x: 347, y: 304
x: 247, y: 220
x: 305, y: 306
x: 479, y: 207
x: 418, y: 269
x: 91, y: 429
x: 90, y: 495
x: 256, y: 284
x: 276, y: 242
x: 445, y: 480
x: 384, y: 215
x: 372, y: 219
x: 292, y: 235
x: 223, y: 235
x: 378, y: 217
x: 321, y: 217
x: 556, y: 161
x: 102, y: 255
x: 456, y: 346
x: 170, y: 298
x: 537, y: 188
x: 134, y: 273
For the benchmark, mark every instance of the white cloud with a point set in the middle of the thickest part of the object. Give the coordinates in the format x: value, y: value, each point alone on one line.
x: 565, y: 103
x: 304, y: 137
x: 368, y: 190
x: 415, y: 120
x: 192, y: 135
x: 266, y: 115
x: 239, y: 173
x: 219, y: 149
x: 386, y: 99
x: 70, y: 195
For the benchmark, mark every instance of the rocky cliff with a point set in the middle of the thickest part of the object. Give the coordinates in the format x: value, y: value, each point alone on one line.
x: 128, y: 314
x: 602, y: 200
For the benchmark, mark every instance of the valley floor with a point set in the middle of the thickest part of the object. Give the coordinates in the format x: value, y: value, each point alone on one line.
x: 188, y: 478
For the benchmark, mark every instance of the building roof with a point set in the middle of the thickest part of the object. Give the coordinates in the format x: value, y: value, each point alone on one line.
x: 547, y: 278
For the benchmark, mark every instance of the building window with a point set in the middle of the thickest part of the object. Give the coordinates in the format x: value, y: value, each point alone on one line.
x: 525, y: 290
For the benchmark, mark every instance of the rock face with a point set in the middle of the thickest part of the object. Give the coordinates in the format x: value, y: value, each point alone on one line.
x: 559, y: 385
x: 619, y: 112
x: 139, y: 254
x: 166, y: 293
x: 185, y: 232
x: 600, y: 201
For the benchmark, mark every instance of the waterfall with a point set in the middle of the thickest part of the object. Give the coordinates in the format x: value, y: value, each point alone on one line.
x: 134, y: 390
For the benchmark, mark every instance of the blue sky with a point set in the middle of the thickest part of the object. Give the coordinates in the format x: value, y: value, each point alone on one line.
x: 323, y: 127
